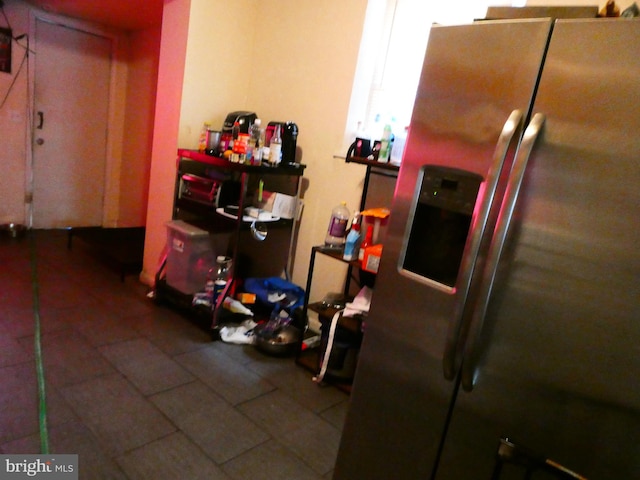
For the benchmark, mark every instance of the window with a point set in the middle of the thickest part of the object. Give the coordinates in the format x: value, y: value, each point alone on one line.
x: 390, y: 60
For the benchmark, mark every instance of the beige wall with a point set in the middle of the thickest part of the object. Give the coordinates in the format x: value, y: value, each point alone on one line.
x: 286, y: 60
x: 134, y: 75
x: 307, y: 54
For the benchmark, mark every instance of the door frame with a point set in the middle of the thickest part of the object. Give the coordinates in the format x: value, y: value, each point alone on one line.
x: 115, y: 114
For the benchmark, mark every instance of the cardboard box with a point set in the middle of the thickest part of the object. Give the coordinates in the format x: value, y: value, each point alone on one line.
x: 280, y: 205
x: 371, y: 259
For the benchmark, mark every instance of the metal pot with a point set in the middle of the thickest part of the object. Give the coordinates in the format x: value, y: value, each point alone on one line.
x: 283, y: 341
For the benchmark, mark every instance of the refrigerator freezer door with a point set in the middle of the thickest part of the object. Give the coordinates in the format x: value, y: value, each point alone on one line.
x: 559, y: 363
x: 473, y: 78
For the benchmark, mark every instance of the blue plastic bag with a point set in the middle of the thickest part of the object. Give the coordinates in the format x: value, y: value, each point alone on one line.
x: 276, y: 291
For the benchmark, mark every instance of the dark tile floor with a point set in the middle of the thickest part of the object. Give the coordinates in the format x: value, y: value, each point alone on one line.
x: 137, y: 390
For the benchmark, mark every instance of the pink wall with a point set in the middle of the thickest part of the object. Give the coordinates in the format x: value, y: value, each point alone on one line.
x: 175, y: 26
x: 139, y: 122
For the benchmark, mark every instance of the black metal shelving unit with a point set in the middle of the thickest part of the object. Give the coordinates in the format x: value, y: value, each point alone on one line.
x: 310, y: 358
x: 235, y: 184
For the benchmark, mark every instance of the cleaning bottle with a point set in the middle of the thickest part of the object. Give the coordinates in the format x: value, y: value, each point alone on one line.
x: 352, y: 244
x: 337, y: 231
x: 367, y: 242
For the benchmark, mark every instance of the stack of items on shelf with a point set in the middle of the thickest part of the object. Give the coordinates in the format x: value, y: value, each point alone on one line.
x: 382, y: 145
x: 257, y: 311
x: 244, y: 140
x: 364, y: 248
x: 265, y: 313
x: 341, y: 320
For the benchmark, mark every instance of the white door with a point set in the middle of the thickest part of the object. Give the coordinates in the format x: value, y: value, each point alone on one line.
x: 71, y: 99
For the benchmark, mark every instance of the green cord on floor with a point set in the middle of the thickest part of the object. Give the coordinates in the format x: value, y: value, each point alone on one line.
x: 42, y: 401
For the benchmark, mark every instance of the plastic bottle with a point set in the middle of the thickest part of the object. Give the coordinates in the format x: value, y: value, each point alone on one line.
x: 236, y: 307
x: 235, y: 131
x: 397, y: 151
x: 275, y: 147
x: 220, y: 278
x: 385, y: 144
x: 255, y: 147
x: 204, y: 137
x: 264, y: 150
x: 352, y: 244
x: 367, y: 242
x: 209, y: 286
x: 337, y: 231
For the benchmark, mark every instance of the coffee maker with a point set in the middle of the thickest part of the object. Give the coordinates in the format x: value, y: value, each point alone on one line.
x: 245, y: 119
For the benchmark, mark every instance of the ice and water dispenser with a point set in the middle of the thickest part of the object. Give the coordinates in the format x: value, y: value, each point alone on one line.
x: 438, y: 225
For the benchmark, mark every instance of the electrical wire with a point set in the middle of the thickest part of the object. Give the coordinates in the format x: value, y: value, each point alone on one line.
x: 15, y: 78
x: 4, y: 14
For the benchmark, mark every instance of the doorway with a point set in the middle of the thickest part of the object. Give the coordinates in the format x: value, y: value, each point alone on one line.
x: 71, y: 111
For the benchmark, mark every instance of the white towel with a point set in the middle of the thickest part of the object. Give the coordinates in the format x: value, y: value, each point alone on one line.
x: 360, y: 304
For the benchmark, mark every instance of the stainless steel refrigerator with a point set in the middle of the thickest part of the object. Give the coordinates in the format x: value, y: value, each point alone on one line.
x: 503, y: 340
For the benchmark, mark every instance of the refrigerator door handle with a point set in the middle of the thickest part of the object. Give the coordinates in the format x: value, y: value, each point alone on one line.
x: 451, y: 357
x: 472, y: 351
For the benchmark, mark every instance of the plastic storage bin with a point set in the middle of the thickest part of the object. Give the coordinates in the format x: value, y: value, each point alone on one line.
x: 190, y: 257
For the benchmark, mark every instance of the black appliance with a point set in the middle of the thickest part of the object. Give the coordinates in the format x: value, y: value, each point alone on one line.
x: 245, y: 119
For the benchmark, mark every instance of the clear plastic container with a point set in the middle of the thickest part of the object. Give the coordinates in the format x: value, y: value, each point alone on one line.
x: 190, y: 256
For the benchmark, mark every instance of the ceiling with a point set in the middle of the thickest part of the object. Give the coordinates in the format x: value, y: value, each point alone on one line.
x: 120, y: 14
